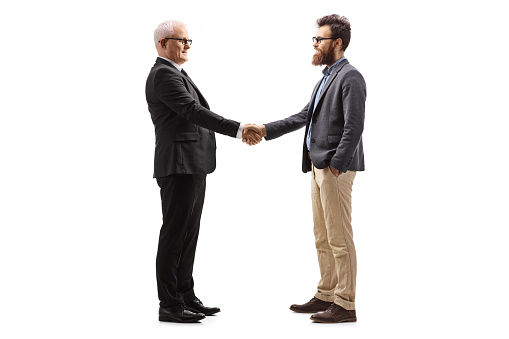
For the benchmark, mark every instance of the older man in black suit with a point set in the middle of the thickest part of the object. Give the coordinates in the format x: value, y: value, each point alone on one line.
x: 185, y: 153
x: 332, y: 150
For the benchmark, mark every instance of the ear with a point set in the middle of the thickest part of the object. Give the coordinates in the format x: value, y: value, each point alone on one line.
x: 339, y: 42
x: 163, y: 43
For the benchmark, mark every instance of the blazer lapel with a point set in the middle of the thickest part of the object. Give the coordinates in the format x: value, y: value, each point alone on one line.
x: 203, y: 102
x: 184, y: 73
x: 313, y: 96
x: 331, y: 79
x: 312, y: 101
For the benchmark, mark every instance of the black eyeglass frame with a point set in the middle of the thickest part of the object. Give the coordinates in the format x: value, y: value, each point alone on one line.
x: 319, y: 40
x: 184, y: 41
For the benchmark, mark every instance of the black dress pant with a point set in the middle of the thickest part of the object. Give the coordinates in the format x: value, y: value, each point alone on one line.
x: 182, y: 197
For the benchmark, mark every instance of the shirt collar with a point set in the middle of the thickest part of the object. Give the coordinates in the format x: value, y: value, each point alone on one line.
x: 328, y: 70
x: 173, y: 63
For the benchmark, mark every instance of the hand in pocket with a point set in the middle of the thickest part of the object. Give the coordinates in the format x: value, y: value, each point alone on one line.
x: 334, y: 171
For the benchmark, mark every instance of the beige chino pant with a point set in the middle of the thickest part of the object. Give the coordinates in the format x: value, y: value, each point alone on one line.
x: 331, y: 198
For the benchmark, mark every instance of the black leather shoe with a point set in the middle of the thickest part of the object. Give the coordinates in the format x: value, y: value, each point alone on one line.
x: 179, y: 314
x: 197, y: 306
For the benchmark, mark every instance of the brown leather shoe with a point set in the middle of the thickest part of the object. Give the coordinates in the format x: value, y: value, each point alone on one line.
x: 312, y: 306
x: 335, y: 314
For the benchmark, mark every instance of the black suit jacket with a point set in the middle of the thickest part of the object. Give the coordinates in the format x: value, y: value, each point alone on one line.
x: 184, y: 125
x: 338, y: 122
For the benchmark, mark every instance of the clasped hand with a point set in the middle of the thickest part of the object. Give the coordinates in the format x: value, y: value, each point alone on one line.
x: 252, y: 134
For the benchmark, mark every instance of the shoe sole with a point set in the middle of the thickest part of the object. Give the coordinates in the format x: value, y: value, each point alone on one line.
x: 299, y: 311
x: 350, y: 320
x: 211, y: 313
x: 177, y: 320
x: 207, y: 314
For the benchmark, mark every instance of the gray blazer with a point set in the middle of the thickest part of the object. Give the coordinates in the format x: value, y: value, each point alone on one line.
x: 338, y: 122
x: 184, y: 125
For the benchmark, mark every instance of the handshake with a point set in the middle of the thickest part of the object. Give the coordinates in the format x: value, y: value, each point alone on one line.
x: 252, y: 134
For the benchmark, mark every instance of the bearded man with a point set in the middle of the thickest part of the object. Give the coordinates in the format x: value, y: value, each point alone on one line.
x: 333, y: 152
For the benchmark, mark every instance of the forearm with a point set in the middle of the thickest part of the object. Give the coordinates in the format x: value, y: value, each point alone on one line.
x: 205, y: 118
x: 281, y: 127
x: 346, y: 149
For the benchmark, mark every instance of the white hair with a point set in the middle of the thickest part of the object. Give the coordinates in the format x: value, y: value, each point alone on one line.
x: 165, y: 29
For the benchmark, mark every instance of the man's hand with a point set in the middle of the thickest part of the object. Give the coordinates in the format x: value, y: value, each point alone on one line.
x: 252, y: 134
x: 334, y: 171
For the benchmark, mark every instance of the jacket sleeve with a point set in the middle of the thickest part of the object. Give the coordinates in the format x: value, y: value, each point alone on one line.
x: 354, y: 99
x: 292, y: 123
x: 170, y: 89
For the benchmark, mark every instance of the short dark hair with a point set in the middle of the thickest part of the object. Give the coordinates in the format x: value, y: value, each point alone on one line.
x: 340, y: 27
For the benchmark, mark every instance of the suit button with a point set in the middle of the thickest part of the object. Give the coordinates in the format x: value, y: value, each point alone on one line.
x: 312, y: 140
x: 314, y: 121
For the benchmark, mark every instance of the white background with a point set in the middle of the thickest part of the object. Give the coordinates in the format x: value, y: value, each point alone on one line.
x: 80, y: 213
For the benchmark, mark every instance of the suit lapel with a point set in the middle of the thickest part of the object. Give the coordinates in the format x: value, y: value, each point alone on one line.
x: 186, y: 76
x: 331, y: 79
x: 203, y: 102
x: 312, y: 101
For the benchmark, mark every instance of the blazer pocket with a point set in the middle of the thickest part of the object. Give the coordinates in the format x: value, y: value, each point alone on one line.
x: 334, y: 139
x: 188, y: 136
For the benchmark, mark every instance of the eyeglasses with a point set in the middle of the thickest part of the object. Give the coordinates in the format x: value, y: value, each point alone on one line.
x: 182, y: 40
x: 319, y: 40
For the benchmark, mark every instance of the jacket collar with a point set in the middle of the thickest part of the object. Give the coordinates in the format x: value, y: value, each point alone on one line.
x: 165, y: 62
x: 339, y: 66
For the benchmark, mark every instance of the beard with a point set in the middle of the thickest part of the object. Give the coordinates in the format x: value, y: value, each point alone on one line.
x: 323, y: 58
